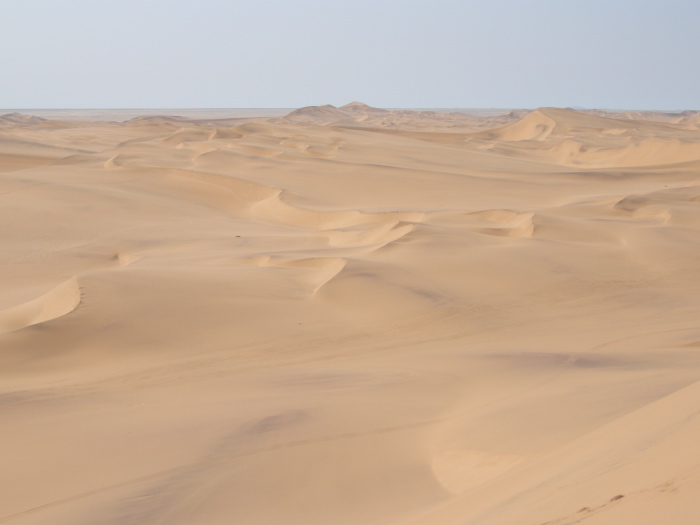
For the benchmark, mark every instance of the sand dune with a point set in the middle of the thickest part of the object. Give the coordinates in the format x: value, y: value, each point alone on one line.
x: 18, y: 119
x: 350, y: 315
x: 359, y: 114
x: 570, y: 138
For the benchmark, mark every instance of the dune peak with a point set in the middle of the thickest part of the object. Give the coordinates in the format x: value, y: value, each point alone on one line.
x: 362, y: 107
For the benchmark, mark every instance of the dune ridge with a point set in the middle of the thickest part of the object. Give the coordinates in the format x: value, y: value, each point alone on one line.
x: 351, y: 315
x: 55, y: 303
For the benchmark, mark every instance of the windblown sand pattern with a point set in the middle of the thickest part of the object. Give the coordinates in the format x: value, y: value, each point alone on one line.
x: 351, y: 316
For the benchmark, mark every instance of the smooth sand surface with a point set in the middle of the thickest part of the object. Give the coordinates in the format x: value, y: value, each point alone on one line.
x: 351, y: 316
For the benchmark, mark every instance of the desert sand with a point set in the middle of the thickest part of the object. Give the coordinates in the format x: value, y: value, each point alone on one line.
x: 351, y: 316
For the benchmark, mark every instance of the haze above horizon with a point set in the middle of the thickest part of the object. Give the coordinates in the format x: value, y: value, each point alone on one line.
x: 411, y: 54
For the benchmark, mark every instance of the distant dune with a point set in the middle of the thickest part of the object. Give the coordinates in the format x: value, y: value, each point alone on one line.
x: 360, y: 114
x: 351, y: 315
x: 18, y: 119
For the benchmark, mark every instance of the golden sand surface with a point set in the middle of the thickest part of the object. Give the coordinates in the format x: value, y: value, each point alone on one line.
x: 351, y: 316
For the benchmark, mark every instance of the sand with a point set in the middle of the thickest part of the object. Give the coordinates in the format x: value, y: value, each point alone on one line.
x: 351, y: 316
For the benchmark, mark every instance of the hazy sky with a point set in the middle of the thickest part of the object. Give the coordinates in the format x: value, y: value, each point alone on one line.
x: 635, y: 54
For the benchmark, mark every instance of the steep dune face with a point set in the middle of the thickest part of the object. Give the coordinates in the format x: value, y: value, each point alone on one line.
x: 350, y: 315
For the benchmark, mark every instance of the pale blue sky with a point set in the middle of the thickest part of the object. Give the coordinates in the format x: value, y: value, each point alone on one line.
x: 642, y: 54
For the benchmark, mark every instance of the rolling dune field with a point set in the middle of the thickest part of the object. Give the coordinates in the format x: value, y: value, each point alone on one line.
x: 351, y: 316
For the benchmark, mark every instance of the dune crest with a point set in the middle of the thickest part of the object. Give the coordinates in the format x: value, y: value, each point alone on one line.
x: 55, y: 303
x: 535, y: 126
